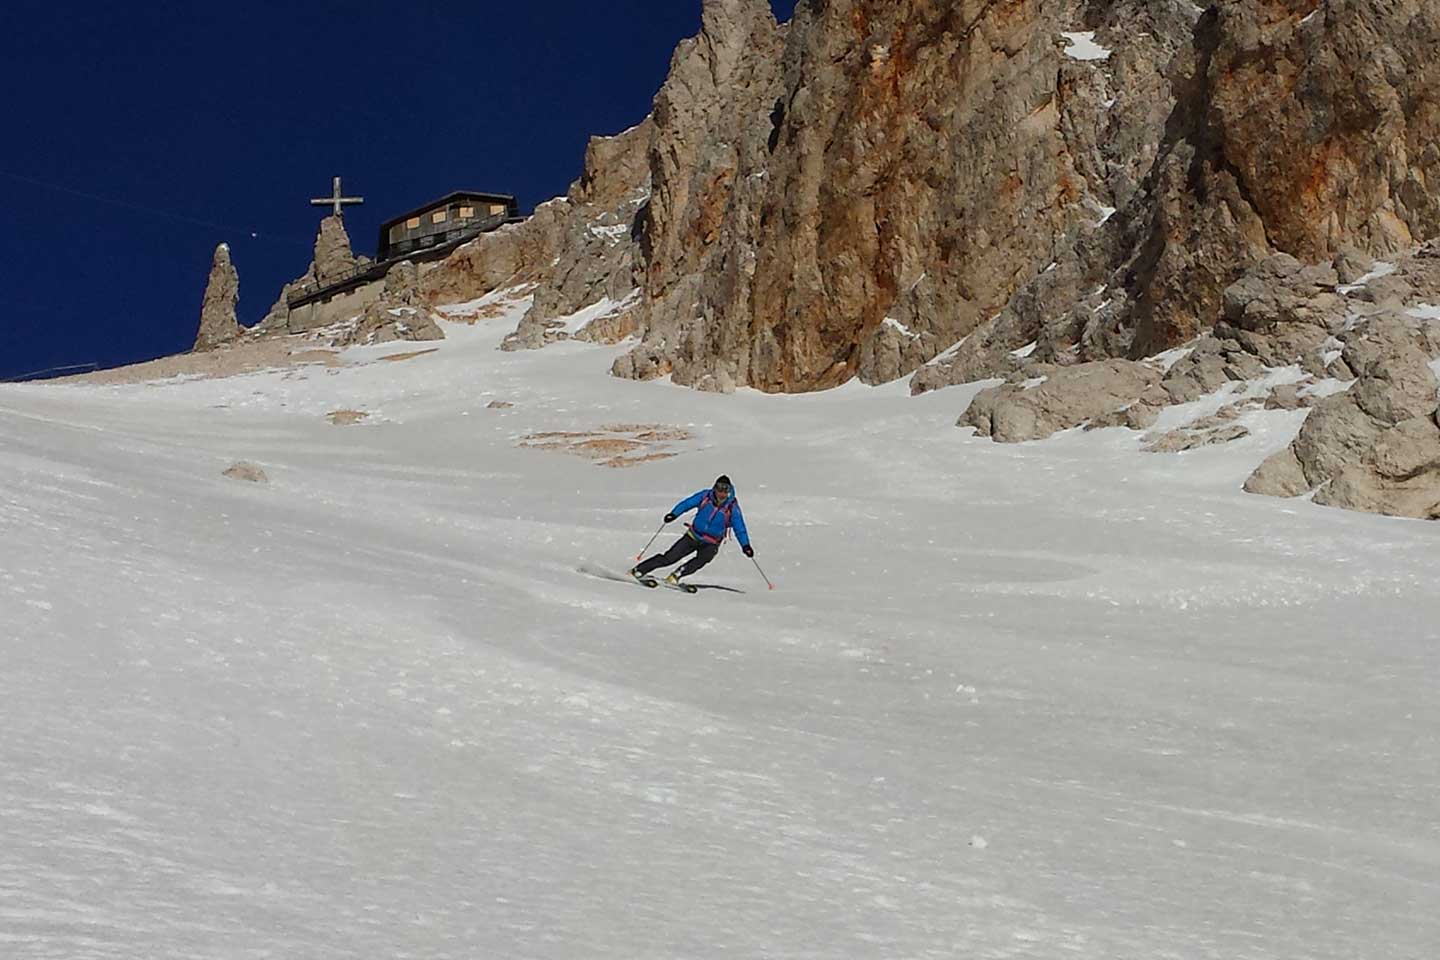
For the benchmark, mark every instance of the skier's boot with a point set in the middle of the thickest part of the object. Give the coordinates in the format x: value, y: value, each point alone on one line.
x: 635, y: 572
x: 673, y: 579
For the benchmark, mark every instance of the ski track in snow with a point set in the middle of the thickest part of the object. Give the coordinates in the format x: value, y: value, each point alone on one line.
x: 1056, y: 699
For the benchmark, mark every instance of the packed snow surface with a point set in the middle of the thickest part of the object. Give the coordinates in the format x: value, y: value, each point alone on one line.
x: 602, y: 309
x: 1049, y: 700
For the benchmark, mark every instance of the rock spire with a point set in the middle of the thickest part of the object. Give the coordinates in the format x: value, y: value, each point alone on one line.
x: 218, y: 324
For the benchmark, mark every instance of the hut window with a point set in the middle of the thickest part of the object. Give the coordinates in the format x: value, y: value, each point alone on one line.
x: 397, y: 233
x: 466, y: 213
x: 438, y: 216
x: 413, y: 223
x: 497, y: 208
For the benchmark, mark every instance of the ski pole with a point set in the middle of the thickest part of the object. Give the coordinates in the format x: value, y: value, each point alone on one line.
x: 762, y: 573
x: 641, y: 554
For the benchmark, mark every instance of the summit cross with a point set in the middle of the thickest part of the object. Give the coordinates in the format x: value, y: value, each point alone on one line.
x: 336, y: 199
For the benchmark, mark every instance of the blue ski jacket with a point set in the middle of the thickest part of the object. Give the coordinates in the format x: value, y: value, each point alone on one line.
x: 712, y: 520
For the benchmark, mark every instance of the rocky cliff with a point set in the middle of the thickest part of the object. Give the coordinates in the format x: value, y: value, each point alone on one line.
x: 852, y: 194
x: 1294, y: 127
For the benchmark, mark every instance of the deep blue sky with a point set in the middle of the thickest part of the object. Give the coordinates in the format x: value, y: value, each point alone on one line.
x: 206, y: 122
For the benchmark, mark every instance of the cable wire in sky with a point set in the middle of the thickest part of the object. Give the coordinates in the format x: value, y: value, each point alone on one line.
x: 154, y: 211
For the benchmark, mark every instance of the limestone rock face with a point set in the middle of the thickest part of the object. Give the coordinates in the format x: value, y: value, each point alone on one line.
x: 1067, y: 398
x: 1296, y: 127
x: 707, y: 156
x: 858, y: 210
x: 1330, y: 120
x: 595, y: 244
x: 218, y: 324
x: 575, y: 253
x: 1294, y: 133
x: 614, y: 168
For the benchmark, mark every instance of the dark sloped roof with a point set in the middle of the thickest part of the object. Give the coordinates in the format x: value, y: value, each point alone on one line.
x: 449, y: 198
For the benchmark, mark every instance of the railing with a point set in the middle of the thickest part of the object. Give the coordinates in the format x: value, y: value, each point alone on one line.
x: 353, y: 277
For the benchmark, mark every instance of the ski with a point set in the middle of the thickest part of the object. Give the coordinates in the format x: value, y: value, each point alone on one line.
x: 602, y: 574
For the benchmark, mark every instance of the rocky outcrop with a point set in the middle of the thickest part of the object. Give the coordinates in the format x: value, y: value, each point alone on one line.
x: 1284, y: 312
x: 218, y: 323
x: 332, y: 260
x: 1219, y: 427
x: 575, y: 252
x: 1057, y: 399
x: 514, y: 255
x: 1375, y: 447
x: 400, y: 313
x: 333, y: 257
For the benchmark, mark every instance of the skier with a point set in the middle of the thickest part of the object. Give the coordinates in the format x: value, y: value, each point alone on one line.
x: 717, y: 512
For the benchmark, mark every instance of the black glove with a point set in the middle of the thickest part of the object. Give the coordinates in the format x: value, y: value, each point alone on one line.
x: 749, y: 550
x: 669, y: 518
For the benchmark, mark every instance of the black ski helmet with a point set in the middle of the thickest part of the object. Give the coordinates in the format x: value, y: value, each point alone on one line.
x: 722, y: 481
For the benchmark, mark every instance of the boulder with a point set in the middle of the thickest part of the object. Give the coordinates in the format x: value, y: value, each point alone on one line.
x: 1279, y: 476
x: 1281, y: 313
x: 515, y: 255
x: 247, y: 472
x: 1359, y: 488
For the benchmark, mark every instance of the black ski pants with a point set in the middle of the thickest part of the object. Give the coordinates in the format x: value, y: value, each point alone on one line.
x: 704, y: 553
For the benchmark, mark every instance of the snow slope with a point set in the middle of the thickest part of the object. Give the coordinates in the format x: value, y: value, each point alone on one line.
x: 1051, y: 700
